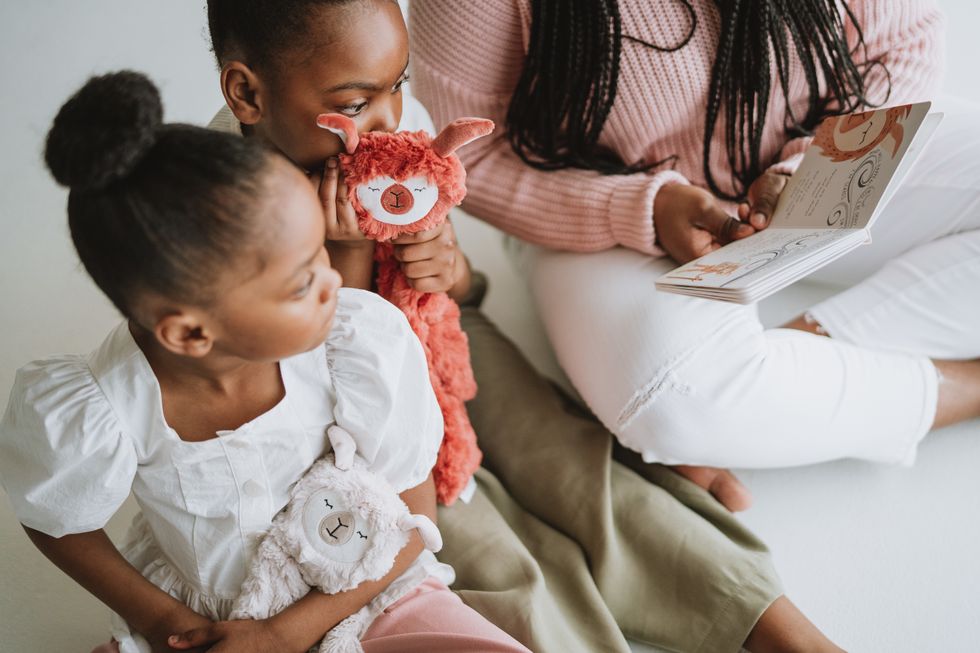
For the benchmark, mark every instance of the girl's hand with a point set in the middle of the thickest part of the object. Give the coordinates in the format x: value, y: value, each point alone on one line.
x: 763, y: 195
x: 338, y: 213
x: 430, y: 259
x: 180, y: 620
x: 690, y: 222
x: 243, y: 636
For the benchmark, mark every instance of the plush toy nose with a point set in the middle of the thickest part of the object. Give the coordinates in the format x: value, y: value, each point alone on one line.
x: 397, y: 199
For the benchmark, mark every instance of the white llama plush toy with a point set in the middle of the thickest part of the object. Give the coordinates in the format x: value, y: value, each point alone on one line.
x: 343, y: 526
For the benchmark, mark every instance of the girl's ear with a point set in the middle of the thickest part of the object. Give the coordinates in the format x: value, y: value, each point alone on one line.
x: 460, y: 132
x: 184, y: 335
x: 342, y: 126
x: 243, y: 92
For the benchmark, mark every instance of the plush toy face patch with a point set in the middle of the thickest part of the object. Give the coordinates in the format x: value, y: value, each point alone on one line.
x: 398, y: 202
x: 402, y: 182
x: 333, y: 529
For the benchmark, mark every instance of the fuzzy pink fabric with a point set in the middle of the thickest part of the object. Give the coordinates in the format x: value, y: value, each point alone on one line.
x: 467, y: 58
x: 433, y: 316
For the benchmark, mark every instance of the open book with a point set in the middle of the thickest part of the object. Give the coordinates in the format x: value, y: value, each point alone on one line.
x: 827, y: 208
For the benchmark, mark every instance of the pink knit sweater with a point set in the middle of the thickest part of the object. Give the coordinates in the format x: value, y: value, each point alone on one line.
x: 468, y: 54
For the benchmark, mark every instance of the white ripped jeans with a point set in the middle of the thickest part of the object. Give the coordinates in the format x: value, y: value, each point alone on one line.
x: 685, y: 380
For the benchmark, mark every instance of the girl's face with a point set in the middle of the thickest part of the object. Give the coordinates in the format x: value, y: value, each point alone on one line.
x: 284, y: 305
x: 357, y: 69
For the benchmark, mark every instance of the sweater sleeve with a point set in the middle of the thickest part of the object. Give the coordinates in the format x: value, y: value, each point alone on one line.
x: 467, y: 63
x: 908, y: 39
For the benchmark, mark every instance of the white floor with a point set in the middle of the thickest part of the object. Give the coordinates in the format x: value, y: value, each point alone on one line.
x: 881, y: 558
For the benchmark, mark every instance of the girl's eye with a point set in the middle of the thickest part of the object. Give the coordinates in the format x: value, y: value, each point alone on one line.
x: 376, y: 190
x: 306, y: 287
x: 353, y: 109
x: 398, y: 85
x: 419, y: 190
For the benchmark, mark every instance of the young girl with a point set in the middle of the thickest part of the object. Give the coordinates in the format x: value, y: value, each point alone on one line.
x: 213, y: 396
x: 667, y: 564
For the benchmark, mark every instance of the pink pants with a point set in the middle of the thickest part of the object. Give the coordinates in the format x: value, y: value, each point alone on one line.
x: 427, y: 620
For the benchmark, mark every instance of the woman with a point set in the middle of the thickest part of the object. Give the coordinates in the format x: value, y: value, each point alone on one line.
x: 603, y: 168
x: 638, y: 129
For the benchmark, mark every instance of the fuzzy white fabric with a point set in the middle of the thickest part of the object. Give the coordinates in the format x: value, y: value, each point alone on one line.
x: 343, y: 526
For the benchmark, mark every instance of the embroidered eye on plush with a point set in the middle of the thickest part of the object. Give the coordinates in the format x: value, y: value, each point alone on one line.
x: 398, y: 202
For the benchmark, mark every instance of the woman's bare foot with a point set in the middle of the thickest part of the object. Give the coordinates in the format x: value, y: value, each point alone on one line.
x: 721, y: 483
x: 806, y: 323
x: 959, y: 392
x: 782, y: 628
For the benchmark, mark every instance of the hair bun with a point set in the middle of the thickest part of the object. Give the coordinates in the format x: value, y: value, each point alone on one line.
x: 103, y: 130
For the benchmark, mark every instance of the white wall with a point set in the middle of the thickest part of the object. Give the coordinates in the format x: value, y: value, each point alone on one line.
x: 47, y: 49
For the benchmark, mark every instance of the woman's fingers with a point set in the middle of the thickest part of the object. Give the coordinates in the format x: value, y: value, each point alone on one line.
x: 763, y: 197
x: 724, y: 228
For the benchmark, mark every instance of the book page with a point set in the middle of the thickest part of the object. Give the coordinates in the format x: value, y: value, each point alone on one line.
x: 740, y: 263
x: 847, y: 168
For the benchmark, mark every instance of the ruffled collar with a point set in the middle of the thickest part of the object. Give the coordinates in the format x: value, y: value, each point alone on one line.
x: 126, y: 379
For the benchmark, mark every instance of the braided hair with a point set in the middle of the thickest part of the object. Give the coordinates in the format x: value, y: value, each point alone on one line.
x: 568, y: 85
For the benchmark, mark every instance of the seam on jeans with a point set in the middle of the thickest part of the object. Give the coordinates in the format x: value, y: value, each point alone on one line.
x: 664, y: 379
x: 887, y: 300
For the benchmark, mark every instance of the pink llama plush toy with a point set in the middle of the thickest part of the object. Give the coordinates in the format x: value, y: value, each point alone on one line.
x: 404, y: 183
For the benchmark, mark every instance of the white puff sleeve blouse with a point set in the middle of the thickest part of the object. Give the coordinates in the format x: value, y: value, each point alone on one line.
x: 80, y: 432
x: 65, y: 462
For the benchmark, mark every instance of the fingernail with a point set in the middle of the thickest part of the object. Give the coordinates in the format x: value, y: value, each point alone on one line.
x: 331, y: 162
x: 758, y: 220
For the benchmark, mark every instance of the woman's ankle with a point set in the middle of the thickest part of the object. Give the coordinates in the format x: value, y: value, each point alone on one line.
x: 959, y: 391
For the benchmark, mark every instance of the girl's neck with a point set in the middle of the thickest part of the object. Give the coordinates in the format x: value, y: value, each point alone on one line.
x: 201, y: 396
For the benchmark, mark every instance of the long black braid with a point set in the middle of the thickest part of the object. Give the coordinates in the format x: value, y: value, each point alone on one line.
x: 568, y: 85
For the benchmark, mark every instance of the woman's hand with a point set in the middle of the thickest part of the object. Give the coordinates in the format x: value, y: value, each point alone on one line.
x: 243, y: 636
x: 690, y: 222
x: 762, y: 198
x: 430, y: 259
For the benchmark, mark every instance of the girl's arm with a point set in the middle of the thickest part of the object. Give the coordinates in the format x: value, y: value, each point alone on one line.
x: 464, y: 280
x: 351, y: 253
x: 93, y: 561
x: 355, y: 262
x: 304, y: 623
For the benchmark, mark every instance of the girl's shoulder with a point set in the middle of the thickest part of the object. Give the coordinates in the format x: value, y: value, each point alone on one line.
x: 370, y: 313
x: 381, y: 382
x: 65, y: 459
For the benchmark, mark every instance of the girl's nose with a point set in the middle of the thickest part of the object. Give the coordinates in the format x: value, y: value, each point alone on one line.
x: 386, y: 118
x: 331, y: 286
x: 397, y: 200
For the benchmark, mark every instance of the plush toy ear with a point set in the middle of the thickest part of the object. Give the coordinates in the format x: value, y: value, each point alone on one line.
x: 460, y: 132
x: 342, y: 126
x: 429, y: 532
